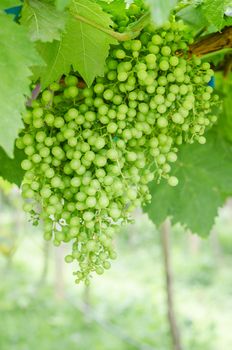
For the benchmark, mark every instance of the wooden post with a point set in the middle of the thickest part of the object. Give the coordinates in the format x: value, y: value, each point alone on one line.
x: 175, y: 334
x: 59, y: 273
x: 45, y: 267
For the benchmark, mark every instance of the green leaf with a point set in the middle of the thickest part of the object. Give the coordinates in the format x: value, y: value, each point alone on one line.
x: 17, y: 56
x: 193, y: 16
x: 115, y: 7
x: 42, y: 20
x: 5, y: 4
x: 160, y: 10
x: 61, y: 4
x: 11, y: 169
x: 227, y: 21
x: 82, y: 47
x: 224, y: 87
x: 91, y: 11
x: 204, y: 173
x: 214, y: 12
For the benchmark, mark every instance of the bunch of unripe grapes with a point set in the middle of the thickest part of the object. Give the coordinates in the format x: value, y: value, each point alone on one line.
x: 92, y: 151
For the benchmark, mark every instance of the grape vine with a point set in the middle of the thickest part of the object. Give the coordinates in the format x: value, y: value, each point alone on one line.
x: 92, y: 151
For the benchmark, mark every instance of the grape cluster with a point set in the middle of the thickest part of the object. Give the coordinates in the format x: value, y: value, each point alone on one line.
x: 92, y: 151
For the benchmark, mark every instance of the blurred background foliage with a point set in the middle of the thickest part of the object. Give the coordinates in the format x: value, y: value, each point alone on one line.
x: 125, y: 309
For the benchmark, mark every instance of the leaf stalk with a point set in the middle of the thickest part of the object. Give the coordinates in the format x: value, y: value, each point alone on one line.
x: 132, y: 32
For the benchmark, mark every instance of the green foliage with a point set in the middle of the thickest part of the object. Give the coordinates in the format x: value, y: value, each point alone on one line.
x: 61, y: 4
x: 214, y: 12
x: 17, y: 56
x: 205, y: 181
x: 193, y: 16
x: 160, y: 10
x: 207, y: 16
x: 224, y: 85
x: 11, y: 169
x: 82, y: 47
x: 91, y: 11
x: 42, y: 20
x: 115, y: 8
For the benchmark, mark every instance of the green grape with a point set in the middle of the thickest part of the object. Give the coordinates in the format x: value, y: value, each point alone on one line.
x: 99, y: 143
x: 162, y: 122
x: 136, y: 45
x: 157, y: 40
x: 173, y: 181
x: 71, y: 92
x: 71, y: 80
x: 26, y: 164
x: 174, y: 60
x: 47, y: 96
x: 120, y: 54
x: 122, y: 76
x: 166, y: 51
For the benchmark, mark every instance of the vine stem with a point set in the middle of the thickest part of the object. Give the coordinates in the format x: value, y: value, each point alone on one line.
x: 212, y: 43
x: 165, y: 241
x: 132, y: 32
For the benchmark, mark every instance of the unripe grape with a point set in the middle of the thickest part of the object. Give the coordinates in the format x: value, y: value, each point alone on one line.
x: 36, y: 158
x: 122, y: 76
x: 68, y: 258
x: 162, y: 122
x: 99, y: 143
x: 164, y: 65
x: 88, y: 216
x: 47, y: 96
x: 177, y: 118
x: 71, y: 80
x: 115, y: 213
x: 100, y: 161
x: 166, y: 51
x: 171, y: 157
x: 136, y: 45
x: 56, y: 181
x: 120, y: 54
x: 202, y: 140
x: 174, y: 60
x: 26, y: 164
x: 71, y: 91
x: 173, y: 181
x: 91, y: 202
x: 157, y: 40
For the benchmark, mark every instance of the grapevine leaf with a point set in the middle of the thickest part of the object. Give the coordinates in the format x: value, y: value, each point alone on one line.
x: 42, y: 20
x: 5, y: 4
x: 227, y: 21
x: 193, y: 16
x: 91, y: 11
x: 17, y: 56
x: 61, y: 4
x: 82, y: 47
x: 11, y: 169
x: 204, y: 174
x: 224, y: 87
x: 115, y: 7
x: 214, y: 12
x: 91, y: 52
x: 160, y: 10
